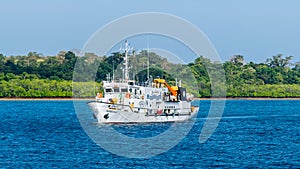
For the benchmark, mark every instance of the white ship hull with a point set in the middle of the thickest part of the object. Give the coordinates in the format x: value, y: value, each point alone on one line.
x: 109, y: 113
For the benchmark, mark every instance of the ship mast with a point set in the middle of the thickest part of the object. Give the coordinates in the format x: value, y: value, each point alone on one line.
x: 126, y: 49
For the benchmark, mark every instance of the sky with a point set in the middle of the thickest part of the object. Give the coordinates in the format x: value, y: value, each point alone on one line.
x: 255, y: 29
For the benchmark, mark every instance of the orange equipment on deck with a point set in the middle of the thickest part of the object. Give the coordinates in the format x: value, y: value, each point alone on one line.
x: 172, y: 89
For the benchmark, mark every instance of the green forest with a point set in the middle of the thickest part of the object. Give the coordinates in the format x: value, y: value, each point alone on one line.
x: 37, y: 76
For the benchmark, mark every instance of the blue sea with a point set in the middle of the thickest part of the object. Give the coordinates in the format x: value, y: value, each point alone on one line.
x: 250, y: 134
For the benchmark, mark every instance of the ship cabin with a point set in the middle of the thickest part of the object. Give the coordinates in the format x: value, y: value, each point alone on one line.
x: 115, y: 87
x: 159, y: 89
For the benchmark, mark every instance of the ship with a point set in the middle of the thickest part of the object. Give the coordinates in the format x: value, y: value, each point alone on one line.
x: 130, y: 101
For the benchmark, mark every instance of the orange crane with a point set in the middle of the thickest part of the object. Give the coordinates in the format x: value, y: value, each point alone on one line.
x: 172, y: 89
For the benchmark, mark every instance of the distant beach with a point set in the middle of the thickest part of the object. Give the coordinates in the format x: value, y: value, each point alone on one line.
x: 46, y: 98
x: 227, y: 98
x: 249, y: 98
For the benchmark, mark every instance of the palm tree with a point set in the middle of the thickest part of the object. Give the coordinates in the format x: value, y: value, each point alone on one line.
x: 278, y: 61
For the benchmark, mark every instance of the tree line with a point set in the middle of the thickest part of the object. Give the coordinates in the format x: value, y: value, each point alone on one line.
x: 34, y: 75
x: 276, y: 77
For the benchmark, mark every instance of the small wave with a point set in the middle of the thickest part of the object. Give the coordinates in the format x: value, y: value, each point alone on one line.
x: 245, y: 117
x: 239, y: 117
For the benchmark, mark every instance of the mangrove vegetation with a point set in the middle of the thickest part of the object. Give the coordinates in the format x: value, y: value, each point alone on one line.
x: 37, y: 76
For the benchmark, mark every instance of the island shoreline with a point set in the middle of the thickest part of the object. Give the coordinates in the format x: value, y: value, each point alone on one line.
x: 249, y: 98
x: 43, y: 98
x: 209, y: 98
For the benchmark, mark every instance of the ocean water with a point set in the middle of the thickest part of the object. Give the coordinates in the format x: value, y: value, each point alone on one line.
x: 48, y: 134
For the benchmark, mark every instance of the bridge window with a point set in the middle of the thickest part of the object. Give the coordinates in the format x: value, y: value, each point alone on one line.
x: 130, y: 83
x: 108, y: 90
x: 124, y: 90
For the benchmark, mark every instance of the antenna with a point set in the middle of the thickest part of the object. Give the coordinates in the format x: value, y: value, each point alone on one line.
x: 132, y: 66
x: 126, y: 60
x: 113, y: 78
x: 148, y: 71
